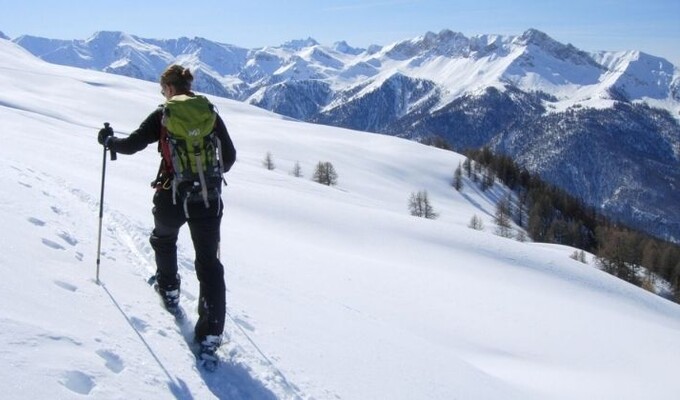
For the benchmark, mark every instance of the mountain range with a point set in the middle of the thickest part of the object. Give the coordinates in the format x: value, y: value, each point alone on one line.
x: 604, y: 126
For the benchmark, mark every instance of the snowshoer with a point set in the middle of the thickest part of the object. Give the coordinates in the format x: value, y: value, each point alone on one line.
x: 200, y: 206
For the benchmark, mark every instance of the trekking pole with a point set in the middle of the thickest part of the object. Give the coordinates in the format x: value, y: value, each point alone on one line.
x: 101, y: 197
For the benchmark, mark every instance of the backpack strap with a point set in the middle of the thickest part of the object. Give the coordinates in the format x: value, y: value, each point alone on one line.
x: 163, y: 180
x: 165, y: 150
x: 201, y: 177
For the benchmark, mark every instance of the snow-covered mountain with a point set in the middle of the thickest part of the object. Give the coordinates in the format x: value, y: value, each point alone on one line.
x: 532, y: 62
x: 542, y: 102
x: 333, y: 292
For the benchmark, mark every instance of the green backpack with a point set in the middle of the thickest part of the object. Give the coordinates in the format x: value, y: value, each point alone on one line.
x: 191, y: 149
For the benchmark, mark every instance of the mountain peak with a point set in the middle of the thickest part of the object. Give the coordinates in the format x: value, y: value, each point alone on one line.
x: 109, y: 38
x: 565, y: 52
x: 3, y: 36
x: 344, y: 47
x: 374, y: 48
x: 445, y: 36
x: 300, y: 44
x: 635, y: 74
x: 446, y: 42
x: 534, y: 36
x: 102, y: 35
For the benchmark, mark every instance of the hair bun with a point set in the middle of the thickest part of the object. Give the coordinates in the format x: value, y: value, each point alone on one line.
x: 177, y: 76
x: 186, y: 74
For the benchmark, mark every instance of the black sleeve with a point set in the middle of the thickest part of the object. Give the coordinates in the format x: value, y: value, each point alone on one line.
x: 148, y: 132
x: 228, y: 149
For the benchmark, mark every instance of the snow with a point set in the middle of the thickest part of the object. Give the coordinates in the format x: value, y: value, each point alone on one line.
x: 461, y: 66
x: 456, y: 64
x: 333, y: 292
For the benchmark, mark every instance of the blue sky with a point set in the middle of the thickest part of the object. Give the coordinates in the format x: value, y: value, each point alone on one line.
x: 652, y: 26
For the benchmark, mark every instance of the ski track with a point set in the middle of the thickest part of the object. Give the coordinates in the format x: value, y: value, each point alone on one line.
x: 245, y: 371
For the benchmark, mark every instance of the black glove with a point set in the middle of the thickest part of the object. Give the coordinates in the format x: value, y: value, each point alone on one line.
x: 104, y: 134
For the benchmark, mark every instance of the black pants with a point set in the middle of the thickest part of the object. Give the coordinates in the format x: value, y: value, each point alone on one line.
x: 204, y: 225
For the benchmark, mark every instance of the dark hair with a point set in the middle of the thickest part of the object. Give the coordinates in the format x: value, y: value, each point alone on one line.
x: 178, y: 77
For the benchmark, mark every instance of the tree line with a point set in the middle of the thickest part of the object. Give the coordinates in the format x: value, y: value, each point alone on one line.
x: 551, y: 215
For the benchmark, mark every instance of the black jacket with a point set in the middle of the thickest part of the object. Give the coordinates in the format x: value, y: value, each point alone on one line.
x: 149, y: 131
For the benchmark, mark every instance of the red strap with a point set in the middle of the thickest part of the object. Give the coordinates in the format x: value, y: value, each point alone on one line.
x: 165, y: 151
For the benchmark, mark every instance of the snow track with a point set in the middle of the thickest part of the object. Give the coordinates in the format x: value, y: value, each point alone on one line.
x: 245, y: 373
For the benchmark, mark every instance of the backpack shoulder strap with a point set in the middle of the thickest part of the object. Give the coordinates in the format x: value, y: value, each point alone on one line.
x: 164, y: 149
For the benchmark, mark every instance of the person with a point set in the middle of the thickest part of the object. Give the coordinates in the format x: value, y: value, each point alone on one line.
x: 170, y: 215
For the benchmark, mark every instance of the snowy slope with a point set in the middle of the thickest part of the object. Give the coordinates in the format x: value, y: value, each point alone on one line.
x: 332, y: 292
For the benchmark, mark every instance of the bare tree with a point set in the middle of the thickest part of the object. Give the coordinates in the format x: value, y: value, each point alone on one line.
x: 297, y: 170
x: 325, y: 174
x: 467, y: 165
x: 476, y: 223
x: 477, y: 171
x: 458, y: 178
x: 488, y: 180
x: 579, y: 256
x: 419, y: 205
x: 268, y: 161
x: 616, y: 254
x: 503, y: 217
x: 521, y: 236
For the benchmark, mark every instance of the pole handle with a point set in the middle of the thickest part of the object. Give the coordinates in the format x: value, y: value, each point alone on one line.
x: 113, y: 153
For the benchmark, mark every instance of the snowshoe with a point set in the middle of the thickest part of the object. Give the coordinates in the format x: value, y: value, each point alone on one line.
x: 170, y: 301
x: 207, y: 354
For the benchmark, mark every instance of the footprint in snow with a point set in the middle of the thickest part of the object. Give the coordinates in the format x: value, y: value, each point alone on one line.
x: 36, y: 221
x: 66, y: 237
x: 139, y: 324
x: 67, y: 286
x: 52, y: 244
x: 78, y: 382
x: 113, y: 361
x: 56, y: 210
